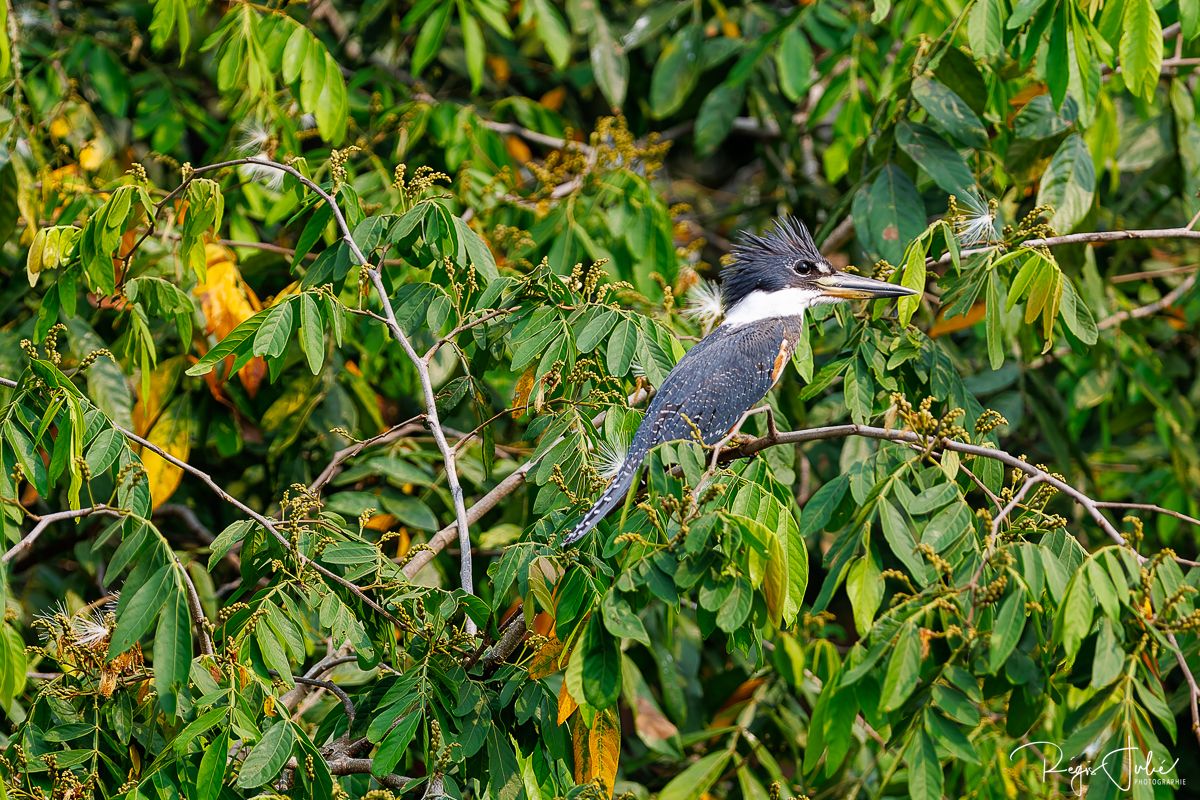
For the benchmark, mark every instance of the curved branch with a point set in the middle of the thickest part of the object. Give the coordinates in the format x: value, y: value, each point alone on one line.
x: 1092, y: 507
x: 44, y: 521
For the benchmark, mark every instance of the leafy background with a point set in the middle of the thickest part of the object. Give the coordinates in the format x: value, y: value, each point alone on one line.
x: 297, y: 295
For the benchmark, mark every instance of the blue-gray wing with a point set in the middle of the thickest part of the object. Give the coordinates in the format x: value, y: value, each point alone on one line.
x: 719, y: 379
x: 709, y: 390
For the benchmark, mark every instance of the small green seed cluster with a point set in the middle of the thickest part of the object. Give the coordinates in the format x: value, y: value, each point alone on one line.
x: 988, y: 421
x: 993, y: 591
x: 941, y: 565
x: 94, y: 356
x: 922, y: 421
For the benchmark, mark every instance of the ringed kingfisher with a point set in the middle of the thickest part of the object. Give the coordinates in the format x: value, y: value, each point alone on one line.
x: 772, y: 280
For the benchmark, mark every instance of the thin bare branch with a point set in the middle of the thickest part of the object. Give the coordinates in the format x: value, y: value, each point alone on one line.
x: 399, y: 431
x: 1167, y: 300
x: 196, y: 610
x: 46, y: 520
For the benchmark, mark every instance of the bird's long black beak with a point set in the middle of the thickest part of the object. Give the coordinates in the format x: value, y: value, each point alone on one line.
x: 845, y: 286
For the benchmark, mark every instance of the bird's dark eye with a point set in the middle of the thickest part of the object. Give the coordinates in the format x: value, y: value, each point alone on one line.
x: 802, y: 267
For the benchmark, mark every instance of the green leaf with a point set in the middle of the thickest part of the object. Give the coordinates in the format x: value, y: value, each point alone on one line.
x: 212, y: 768
x: 429, y: 40
x: 5, y: 51
x: 1006, y: 630
x: 473, y: 250
x: 473, y: 45
x: 676, y: 72
x: 8, y: 185
x: 237, y: 342
x: 925, y: 776
x: 695, y: 781
x: 609, y: 64
x: 794, y: 63
x: 950, y: 112
x: 937, y: 158
x: 913, y: 277
x: 295, y: 53
x: 135, y: 618
x: 995, y: 338
x: 1077, y: 315
x: 622, y: 346
x: 393, y: 746
x: 734, y: 612
x: 601, y: 665
x: 272, y: 336
x: 312, y: 332
x: 864, y: 586
x: 267, y: 757
x: 903, y: 669
x: 553, y: 32
x: 1110, y: 656
x: 172, y: 649
x: 717, y: 114
x: 596, y: 329
x: 621, y: 620
x: 985, y: 28
x: 1069, y: 184
x: 1075, y: 615
x: 894, y: 215
x: 1141, y: 47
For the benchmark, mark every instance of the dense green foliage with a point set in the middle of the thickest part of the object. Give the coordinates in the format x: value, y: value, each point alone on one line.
x: 280, y: 279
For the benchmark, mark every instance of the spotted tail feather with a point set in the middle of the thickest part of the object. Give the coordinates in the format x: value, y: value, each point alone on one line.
x: 613, y: 495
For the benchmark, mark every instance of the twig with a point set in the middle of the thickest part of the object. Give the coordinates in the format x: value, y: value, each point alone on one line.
x: 399, y: 431
x: 43, y: 522
x: 488, y: 317
x: 1193, y: 689
x: 196, y: 609
x: 1149, y: 309
x: 513, y: 634
x: 329, y: 686
x: 1078, y: 238
x: 1125, y: 277
x: 556, y: 142
x: 189, y: 519
x: 266, y: 523
x: 838, y: 431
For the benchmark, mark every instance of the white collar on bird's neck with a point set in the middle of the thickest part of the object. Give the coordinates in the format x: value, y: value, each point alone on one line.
x: 758, y: 306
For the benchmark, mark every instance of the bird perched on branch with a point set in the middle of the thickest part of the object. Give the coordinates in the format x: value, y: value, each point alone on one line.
x: 765, y: 291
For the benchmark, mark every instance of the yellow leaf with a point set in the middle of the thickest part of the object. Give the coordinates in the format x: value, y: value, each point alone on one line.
x: 227, y: 301
x: 554, y: 98
x: 517, y: 150
x: 598, y: 749
x: 566, y: 704
x: 165, y: 423
x: 546, y: 660
x: 91, y: 158
x: 521, y: 393
x: 161, y: 389
x: 172, y: 433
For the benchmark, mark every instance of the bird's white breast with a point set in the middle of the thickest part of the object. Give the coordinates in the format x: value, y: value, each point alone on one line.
x: 758, y: 306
